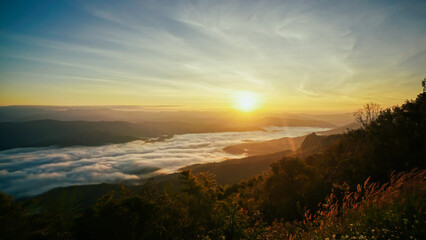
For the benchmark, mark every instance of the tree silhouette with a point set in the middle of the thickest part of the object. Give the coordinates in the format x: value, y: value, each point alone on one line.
x: 368, y: 113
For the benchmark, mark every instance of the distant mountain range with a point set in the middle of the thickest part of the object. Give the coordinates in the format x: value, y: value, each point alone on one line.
x: 41, y: 126
x: 138, y: 114
x: 48, y: 132
x: 42, y: 133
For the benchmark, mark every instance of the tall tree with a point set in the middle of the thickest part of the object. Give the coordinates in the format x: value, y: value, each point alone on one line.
x: 368, y: 113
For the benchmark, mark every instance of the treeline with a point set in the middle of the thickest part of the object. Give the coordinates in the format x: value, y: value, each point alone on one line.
x: 395, y: 141
x: 302, y: 197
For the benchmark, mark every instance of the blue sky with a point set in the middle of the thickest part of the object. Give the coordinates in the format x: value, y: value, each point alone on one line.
x: 296, y: 55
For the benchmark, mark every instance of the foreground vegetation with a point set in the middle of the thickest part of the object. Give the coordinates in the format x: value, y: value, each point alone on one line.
x: 368, y: 184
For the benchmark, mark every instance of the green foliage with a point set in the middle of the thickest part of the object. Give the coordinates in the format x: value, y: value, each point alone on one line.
x: 10, y: 217
x: 289, y: 189
x: 131, y: 216
x: 197, y: 212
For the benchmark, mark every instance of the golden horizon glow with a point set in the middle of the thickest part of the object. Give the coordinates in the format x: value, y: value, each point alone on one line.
x: 246, y: 101
x: 198, y: 55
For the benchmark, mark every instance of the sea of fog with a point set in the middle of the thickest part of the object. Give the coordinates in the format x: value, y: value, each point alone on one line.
x: 30, y: 171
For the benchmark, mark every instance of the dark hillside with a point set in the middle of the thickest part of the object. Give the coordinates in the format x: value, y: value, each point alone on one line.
x: 43, y: 133
x: 314, y: 143
x: 235, y: 170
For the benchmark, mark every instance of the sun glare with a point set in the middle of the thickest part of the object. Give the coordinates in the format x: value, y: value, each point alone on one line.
x: 246, y: 101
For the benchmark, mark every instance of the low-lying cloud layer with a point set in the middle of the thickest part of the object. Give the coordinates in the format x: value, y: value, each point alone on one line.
x: 30, y: 171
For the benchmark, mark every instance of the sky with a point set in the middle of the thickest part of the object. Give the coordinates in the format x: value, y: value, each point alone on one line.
x: 292, y: 55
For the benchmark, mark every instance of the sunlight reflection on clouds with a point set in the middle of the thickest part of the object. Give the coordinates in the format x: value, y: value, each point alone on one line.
x: 29, y: 171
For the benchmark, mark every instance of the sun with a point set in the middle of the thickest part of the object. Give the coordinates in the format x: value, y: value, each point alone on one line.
x: 246, y: 101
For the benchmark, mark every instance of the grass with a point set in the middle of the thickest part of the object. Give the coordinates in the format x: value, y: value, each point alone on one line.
x: 394, y: 210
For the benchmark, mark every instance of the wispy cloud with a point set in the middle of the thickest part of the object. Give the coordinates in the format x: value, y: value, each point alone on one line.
x: 175, y: 49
